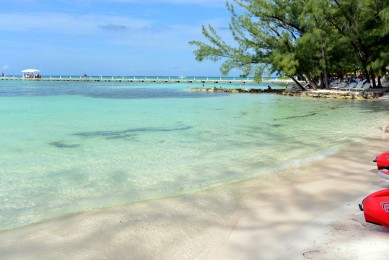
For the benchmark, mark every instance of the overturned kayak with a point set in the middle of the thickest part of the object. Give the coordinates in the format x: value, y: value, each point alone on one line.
x: 382, y: 161
x: 376, y: 208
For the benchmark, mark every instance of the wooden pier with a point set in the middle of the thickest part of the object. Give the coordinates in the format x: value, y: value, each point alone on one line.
x: 201, y: 80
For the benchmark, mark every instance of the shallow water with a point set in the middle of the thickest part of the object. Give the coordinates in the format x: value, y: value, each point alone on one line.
x: 68, y: 147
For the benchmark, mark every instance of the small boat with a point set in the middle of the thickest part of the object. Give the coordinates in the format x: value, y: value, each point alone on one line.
x: 382, y: 161
x: 376, y: 208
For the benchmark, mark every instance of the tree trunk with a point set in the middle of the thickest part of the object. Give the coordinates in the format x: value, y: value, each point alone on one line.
x: 312, y: 83
x: 322, y: 80
x: 379, y: 81
x: 297, y: 83
x: 324, y: 57
x: 325, y: 65
x: 364, y: 63
x: 372, y: 77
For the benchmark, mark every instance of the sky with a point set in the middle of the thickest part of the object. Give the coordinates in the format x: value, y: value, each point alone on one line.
x: 108, y: 37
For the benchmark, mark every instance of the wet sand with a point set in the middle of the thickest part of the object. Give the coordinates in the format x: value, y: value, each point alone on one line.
x: 309, y: 212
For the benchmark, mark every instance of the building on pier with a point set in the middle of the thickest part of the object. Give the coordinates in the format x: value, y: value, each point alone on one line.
x: 31, y: 73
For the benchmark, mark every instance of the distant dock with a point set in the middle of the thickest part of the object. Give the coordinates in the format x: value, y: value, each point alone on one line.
x: 204, y: 80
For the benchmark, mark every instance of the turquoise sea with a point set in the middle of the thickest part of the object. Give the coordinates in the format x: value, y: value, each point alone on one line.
x: 69, y: 147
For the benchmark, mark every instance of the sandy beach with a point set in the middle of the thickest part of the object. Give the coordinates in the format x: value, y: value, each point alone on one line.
x: 308, y: 212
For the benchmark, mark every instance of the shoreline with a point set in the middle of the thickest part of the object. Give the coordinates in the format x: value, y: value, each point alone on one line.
x: 319, y: 93
x: 305, y: 212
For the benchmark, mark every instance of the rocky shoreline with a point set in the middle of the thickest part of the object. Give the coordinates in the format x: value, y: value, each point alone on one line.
x: 322, y: 93
x: 238, y: 90
x: 337, y: 94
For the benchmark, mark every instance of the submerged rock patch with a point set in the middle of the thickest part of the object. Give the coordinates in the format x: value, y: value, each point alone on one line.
x: 60, y: 144
x: 129, y: 132
x: 293, y: 117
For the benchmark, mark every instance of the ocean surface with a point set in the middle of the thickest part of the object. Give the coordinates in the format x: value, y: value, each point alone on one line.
x: 69, y: 147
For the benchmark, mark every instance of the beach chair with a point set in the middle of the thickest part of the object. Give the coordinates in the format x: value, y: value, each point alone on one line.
x: 349, y: 86
x: 356, y: 86
x: 365, y: 86
x: 338, y: 86
x: 384, y: 82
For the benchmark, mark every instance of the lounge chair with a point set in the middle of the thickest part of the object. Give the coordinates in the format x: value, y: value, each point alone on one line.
x: 346, y: 86
x: 356, y: 86
x: 365, y: 86
x: 384, y: 82
x: 338, y: 86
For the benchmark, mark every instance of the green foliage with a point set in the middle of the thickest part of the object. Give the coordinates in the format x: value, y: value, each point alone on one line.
x: 285, y: 62
x: 305, y: 38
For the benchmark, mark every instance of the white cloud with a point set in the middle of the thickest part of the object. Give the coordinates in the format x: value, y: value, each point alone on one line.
x: 61, y: 23
x: 120, y: 30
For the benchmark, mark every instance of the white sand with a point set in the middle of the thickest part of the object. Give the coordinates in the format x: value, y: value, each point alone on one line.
x: 315, y: 215
x: 309, y: 212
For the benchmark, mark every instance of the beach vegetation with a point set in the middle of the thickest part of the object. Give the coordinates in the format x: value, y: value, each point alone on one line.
x: 310, y: 40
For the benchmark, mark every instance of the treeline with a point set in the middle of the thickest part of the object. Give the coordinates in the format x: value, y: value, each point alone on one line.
x: 307, y: 39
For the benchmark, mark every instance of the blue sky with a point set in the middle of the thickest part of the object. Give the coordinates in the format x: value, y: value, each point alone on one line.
x: 107, y: 37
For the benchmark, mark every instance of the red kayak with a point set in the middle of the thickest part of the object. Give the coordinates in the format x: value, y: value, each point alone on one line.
x: 382, y: 161
x: 376, y: 208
